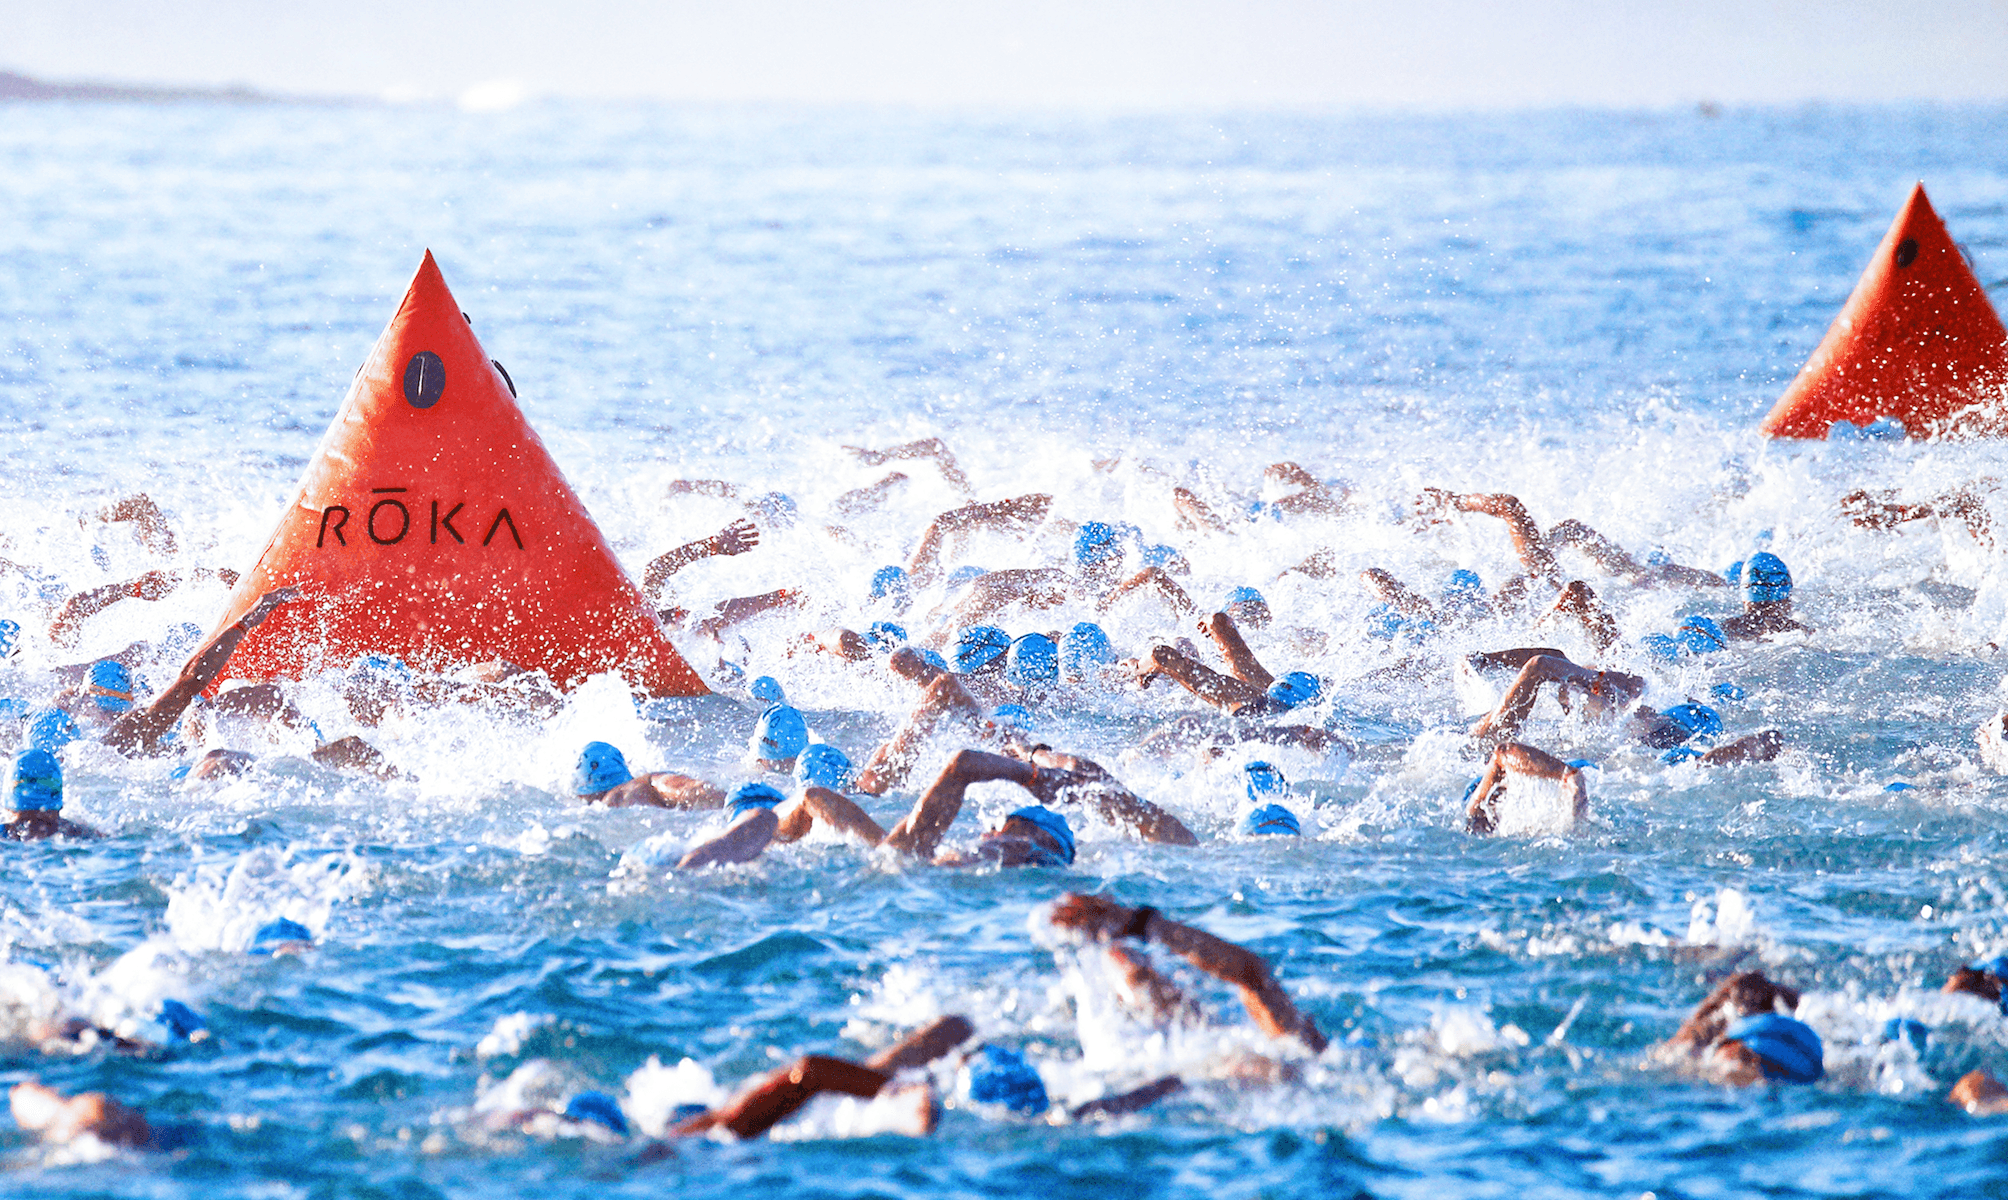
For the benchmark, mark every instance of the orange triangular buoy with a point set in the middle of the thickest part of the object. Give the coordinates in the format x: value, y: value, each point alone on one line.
x: 1918, y: 341
x: 433, y: 526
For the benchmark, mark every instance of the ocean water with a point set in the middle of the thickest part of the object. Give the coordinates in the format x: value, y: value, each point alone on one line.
x: 1589, y: 309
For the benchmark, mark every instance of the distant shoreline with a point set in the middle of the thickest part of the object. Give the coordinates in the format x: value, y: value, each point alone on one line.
x: 17, y: 87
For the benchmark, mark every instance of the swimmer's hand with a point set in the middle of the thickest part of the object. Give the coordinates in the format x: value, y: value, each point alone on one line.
x: 1873, y: 510
x: 736, y: 538
x: 268, y: 603
x: 1435, y: 506
x: 1095, y: 917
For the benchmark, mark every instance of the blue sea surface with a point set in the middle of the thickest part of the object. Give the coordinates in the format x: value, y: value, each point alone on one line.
x: 1591, y: 310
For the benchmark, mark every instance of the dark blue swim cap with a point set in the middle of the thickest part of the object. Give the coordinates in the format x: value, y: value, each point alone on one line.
x: 1270, y: 819
x: 1726, y: 691
x: 977, y: 646
x: 1296, y: 689
x: 886, y: 635
x: 1083, y: 650
x: 1701, y: 635
x: 601, y: 768
x: 1264, y: 783
x: 273, y: 934
x: 1767, y: 579
x: 1698, y: 719
x: 1788, y: 1049
x: 111, y: 685
x: 1055, y: 827
x: 767, y: 690
x: 599, y: 1108
x: 51, y: 729
x: 1001, y: 1076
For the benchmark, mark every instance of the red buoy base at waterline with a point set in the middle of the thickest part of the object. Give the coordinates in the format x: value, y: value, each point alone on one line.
x: 433, y: 526
x: 1918, y: 341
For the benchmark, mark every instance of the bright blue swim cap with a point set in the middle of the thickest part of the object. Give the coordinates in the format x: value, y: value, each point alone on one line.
x: 1701, y: 635
x: 1726, y: 691
x: 823, y: 765
x: 1385, y: 621
x: 387, y: 669
x: 1083, y: 650
x: 181, y: 1022
x: 965, y: 574
x: 1464, y: 592
x: 1265, y: 782
x: 1054, y: 824
x: 1162, y: 557
x: 599, y: 1108
x: 777, y: 507
x: 37, y: 783
x: 10, y: 639
x: 1013, y: 716
x: 1679, y: 755
x: 767, y: 690
x: 749, y: 796
x: 1660, y: 647
x: 51, y: 729
x: 273, y: 934
x: 1768, y: 579
x: 1000, y: 1076
x: 1698, y: 719
x: 601, y: 768
x: 1245, y: 595
x: 1032, y: 661
x: 111, y: 685
x: 1899, y: 786
x: 1735, y: 574
x: 1788, y: 1048
x: 1295, y: 689
x: 1909, y: 1030
x: 890, y: 583
x: 886, y: 635
x: 781, y: 733
x: 977, y: 646
x: 931, y: 657
x: 1270, y: 819
x: 1096, y: 543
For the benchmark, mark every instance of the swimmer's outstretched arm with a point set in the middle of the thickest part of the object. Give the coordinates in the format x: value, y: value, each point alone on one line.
x: 1015, y: 513
x: 742, y: 841
x: 933, y: 448
x: 1521, y: 759
x: 864, y: 499
x: 1154, y: 579
x: 1762, y: 746
x: 148, y: 521
x: 1504, y: 722
x: 1527, y: 540
x: 1312, y: 495
x: 1578, y: 602
x: 991, y: 593
x: 943, y: 696
x: 920, y: 832
x: 737, y: 538
x: 1066, y: 777
x: 59, y: 1118
x: 780, y: 1095
x: 1193, y: 512
x: 69, y: 618
x: 1222, y: 691
x: 847, y: 644
x: 1396, y: 594
x: 1266, y: 1001
x: 139, y: 731
x: 834, y: 809
x: 740, y: 609
x: 1240, y: 659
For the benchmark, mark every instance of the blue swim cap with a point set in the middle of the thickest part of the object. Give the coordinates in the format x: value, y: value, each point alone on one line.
x: 1701, y: 635
x: 1996, y: 966
x: 932, y: 658
x: 1162, y: 557
x: 890, y: 583
x: 767, y: 690
x: 52, y: 729
x: 599, y: 1108
x: 181, y: 1022
x: 1096, y: 543
x: 978, y: 646
x: 273, y: 934
x: 749, y: 796
x: 1788, y: 1048
x: 111, y: 685
x: 1083, y: 650
x: 885, y: 635
x: 1464, y: 592
x: 1657, y: 557
x: 965, y: 574
x: 1054, y: 824
x: 1698, y: 719
x: 1387, y: 622
x: 781, y: 733
x: 1265, y: 782
x: 1032, y: 661
x: 1013, y: 716
x: 1735, y: 574
x: 1768, y: 580
x: 37, y: 783
x: 1245, y: 595
x: 1726, y: 691
x: 1660, y: 647
x: 778, y: 508
x: 1899, y: 786
x: 1908, y: 1030
x: 1000, y: 1076
x: 383, y: 667
x: 1582, y: 764
x: 823, y: 765
x: 601, y: 768
x: 1270, y: 819
x: 10, y: 639
x: 1296, y: 689
x: 1679, y: 754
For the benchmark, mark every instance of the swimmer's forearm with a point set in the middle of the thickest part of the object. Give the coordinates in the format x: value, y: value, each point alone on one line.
x: 783, y: 1093
x: 1263, y: 996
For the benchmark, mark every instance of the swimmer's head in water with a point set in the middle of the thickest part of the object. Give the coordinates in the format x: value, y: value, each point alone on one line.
x: 1052, y: 825
x: 780, y: 735
x: 964, y: 575
x: 767, y: 690
x: 1097, y: 550
x: 1296, y: 689
x: 886, y: 636
x: 1013, y: 716
x: 1787, y: 1049
x: 274, y: 937
x: 36, y: 784
x: 182, y: 1023
x: 601, y: 768
x: 1032, y: 661
x: 823, y: 765
x: 1464, y: 592
x: 890, y: 585
x: 52, y: 729
x: 1766, y: 579
x: 749, y: 796
x: 1270, y: 819
x: 1001, y: 1076
x: 1166, y: 558
x: 978, y: 646
x: 110, y: 686
x: 1698, y: 719
x: 599, y: 1109
x: 10, y: 639
x: 1265, y: 782
x: 931, y: 657
x: 1084, y: 650
x: 1699, y: 635
x: 1247, y: 607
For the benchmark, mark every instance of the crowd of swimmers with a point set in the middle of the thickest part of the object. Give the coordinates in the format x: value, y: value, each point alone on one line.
x: 979, y: 695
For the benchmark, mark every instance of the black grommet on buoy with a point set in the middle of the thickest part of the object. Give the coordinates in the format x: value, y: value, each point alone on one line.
x: 1906, y: 252
x: 505, y: 378
x: 424, y: 379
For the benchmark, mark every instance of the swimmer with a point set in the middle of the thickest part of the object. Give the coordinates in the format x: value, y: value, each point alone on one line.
x: 139, y: 731
x: 61, y: 1119
x: 1979, y: 1093
x: 861, y: 500
x: 1299, y: 492
x: 1512, y: 758
x: 739, y: 537
x: 1744, y: 1032
x: 1537, y: 553
x: 149, y: 524
x: 1250, y: 688
x: 727, y: 613
x: 1014, y: 515
x: 933, y: 449
x: 1464, y: 597
x: 1883, y: 510
x: 750, y: 826
x: 943, y: 698
x: 1767, y: 600
x: 1032, y: 836
x: 35, y: 800
x: 601, y: 776
x: 1089, y: 784
x: 66, y: 627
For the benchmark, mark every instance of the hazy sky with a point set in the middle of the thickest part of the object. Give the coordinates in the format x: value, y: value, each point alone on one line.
x: 1166, y: 53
